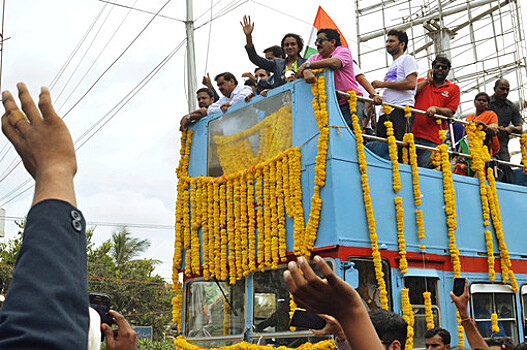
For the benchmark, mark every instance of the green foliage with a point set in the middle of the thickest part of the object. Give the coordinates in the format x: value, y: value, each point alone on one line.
x: 136, y: 292
x: 8, y: 253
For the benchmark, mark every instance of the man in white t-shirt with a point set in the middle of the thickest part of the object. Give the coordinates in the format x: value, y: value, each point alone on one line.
x: 399, y: 85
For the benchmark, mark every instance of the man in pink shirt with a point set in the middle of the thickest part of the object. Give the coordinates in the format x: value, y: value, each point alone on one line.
x: 331, y: 54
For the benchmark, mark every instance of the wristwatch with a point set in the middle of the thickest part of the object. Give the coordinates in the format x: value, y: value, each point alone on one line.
x: 308, y: 64
x: 188, y: 117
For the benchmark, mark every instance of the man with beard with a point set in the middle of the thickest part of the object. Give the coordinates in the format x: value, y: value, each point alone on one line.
x: 399, y: 85
x: 508, y: 114
x: 205, y: 99
x: 435, y: 95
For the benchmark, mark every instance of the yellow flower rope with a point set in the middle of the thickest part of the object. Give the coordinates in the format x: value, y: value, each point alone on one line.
x: 408, y: 316
x: 523, y: 147
x: 177, y: 304
x: 407, y: 111
x: 226, y: 316
x: 494, y: 320
x: 450, y: 208
x: 292, y: 308
x: 181, y: 344
x: 367, y: 202
x: 251, y: 223
x: 392, y: 147
x: 428, y: 310
x: 460, y: 334
x: 399, y: 213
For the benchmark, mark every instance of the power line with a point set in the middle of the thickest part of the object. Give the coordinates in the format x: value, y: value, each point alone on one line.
x: 98, y: 56
x: 115, y: 61
x: 108, y: 116
x: 144, y: 11
x: 75, y: 50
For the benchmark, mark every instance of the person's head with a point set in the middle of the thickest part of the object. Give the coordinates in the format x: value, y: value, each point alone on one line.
x: 500, y: 344
x: 273, y: 52
x: 226, y: 83
x: 396, y: 42
x: 390, y: 327
x: 292, y: 44
x: 261, y: 73
x: 437, y: 339
x: 481, y: 101
x: 501, y: 89
x: 327, y: 41
x: 441, y: 66
x: 521, y: 346
x: 205, y: 97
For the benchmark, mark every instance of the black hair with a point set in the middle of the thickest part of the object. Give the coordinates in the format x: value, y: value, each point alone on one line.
x: 389, y: 326
x: 442, y: 59
x: 227, y: 76
x: 277, y: 51
x: 403, y: 38
x: 443, y: 333
x: 249, y: 82
x: 299, y: 41
x: 206, y: 90
x: 504, y: 343
x: 484, y: 94
x: 258, y: 68
x: 331, y: 34
x: 500, y: 80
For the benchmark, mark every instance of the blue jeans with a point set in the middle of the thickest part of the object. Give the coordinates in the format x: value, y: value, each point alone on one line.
x: 361, y: 111
x: 424, y: 156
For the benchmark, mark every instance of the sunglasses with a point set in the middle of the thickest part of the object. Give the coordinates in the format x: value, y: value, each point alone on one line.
x: 441, y: 66
x: 321, y: 40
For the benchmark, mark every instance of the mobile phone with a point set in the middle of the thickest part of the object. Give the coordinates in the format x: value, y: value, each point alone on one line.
x: 303, y: 319
x: 101, y: 303
x: 459, y: 286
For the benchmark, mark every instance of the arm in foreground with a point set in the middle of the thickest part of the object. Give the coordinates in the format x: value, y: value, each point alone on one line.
x: 474, y: 338
x: 122, y: 338
x: 334, y: 297
x: 49, y: 288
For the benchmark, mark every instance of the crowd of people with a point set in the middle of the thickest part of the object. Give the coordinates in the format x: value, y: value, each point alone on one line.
x: 354, y: 327
x: 434, y: 94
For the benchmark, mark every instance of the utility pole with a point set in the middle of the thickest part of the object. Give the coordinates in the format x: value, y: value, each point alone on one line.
x: 191, y: 59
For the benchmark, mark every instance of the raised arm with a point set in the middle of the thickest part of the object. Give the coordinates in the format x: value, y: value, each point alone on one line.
x: 334, y: 297
x: 474, y: 338
x: 47, y: 302
x: 256, y: 59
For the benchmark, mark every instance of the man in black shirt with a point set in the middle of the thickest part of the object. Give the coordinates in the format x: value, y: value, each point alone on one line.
x: 508, y: 114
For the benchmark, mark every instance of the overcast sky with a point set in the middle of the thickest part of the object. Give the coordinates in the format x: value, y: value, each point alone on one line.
x: 126, y: 170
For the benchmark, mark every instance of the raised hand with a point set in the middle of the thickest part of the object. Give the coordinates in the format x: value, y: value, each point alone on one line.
x: 43, y: 142
x: 123, y: 338
x: 247, y: 26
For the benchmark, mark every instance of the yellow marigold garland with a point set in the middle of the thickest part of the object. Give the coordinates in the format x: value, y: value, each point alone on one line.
x: 260, y: 218
x: 490, y: 255
x: 428, y: 310
x: 506, y: 271
x: 494, y: 320
x: 217, y: 229
x: 399, y: 213
x: 224, y: 272
x: 408, y: 316
x: 231, y: 229
x: 392, y: 147
x: 267, y: 216
x: 177, y: 301
x: 367, y: 202
x: 450, y: 208
x: 386, y: 109
x: 296, y: 201
x: 407, y: 111
x: 523, y: 147
x: 274, y: 217
x: 210, y: 190
x: 282, y: 248
x: 182, y: 344
x: 460, y: 334
x: 244, y: 225
x: 292, y: 308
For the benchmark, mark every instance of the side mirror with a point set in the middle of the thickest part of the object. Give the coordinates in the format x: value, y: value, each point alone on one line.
x: 351, y: 274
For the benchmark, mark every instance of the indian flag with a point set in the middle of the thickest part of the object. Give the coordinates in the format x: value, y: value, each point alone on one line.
x: 322, y: 20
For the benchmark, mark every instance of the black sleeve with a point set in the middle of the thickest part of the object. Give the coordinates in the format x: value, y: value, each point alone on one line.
x: 259, y: 61
x: 46, y: 306
x: 216, y: 96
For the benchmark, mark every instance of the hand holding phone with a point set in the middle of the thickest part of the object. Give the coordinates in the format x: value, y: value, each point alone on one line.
x: 303, y: 319
x: 459, y: 286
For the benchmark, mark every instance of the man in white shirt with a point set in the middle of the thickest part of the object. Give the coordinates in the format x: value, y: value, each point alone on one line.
x: 399, y: 85
x: 231, y: 91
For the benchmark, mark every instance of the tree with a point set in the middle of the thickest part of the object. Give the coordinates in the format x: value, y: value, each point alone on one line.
x: 8, y: 254
x: 140, y: 295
